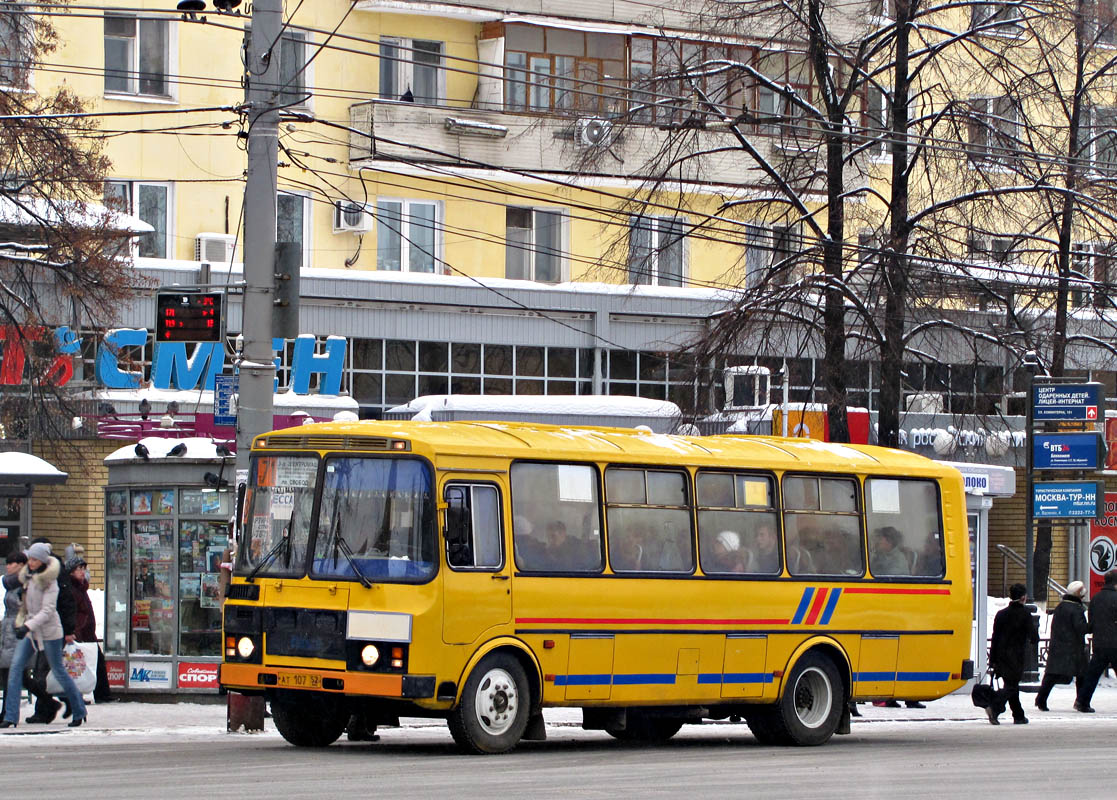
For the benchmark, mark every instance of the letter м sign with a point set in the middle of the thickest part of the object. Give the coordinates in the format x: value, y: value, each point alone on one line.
x: 1065, y: 401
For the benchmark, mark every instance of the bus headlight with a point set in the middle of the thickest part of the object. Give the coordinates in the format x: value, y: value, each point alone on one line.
x: 369, y: 655
x: 245, y: 647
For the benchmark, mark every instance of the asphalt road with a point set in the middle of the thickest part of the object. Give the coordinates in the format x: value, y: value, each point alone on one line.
x: 1051, y: 758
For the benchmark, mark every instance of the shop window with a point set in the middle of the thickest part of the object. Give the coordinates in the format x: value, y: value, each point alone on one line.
x: 153, y: 549
x: 202, y: 546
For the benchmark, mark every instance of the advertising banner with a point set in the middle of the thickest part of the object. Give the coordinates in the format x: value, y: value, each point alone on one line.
x: 197, y: 676
x: 149, y: 674
x: 118, y: 673
x: 1103, y: 540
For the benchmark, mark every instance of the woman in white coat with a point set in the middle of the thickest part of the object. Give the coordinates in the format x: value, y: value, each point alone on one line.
x: 39, y: 627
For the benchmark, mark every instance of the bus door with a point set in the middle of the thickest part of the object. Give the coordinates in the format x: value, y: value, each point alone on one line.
x: 476, y: 590
x: 876, y: 665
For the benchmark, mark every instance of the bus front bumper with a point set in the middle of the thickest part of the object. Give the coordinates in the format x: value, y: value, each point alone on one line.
x: 254, y: 678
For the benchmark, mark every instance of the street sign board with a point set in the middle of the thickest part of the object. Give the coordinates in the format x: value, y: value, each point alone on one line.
x: 1068, y: 451
x: 224, y: 404
x: 1067, y: 401
x: 1068, y: 499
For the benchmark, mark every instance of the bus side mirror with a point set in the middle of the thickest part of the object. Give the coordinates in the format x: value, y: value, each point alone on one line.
x: 459, y: 522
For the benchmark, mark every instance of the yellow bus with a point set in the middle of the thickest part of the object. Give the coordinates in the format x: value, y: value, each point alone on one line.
x: 481, y: 572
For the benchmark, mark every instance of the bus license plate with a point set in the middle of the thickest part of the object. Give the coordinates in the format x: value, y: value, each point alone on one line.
x: 301, y: 681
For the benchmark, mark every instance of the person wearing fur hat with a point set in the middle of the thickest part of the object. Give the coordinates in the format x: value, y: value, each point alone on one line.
x: 1066, y: 654
x: 38, y: 627
x: 1013, y: 630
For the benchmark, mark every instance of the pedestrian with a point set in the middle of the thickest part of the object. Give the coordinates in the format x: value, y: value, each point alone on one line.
x: 38, y: 627
x: 46, y: 707
x: 1066, y: 654
x: 1013, y: 630
x: 85, y: 629
x: 1103, y: 625
x: 12, y: 595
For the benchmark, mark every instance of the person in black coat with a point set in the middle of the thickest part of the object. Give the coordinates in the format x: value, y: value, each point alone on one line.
x: 1013, y: 630
x: 1066, y: 654
x: 1103, y: 624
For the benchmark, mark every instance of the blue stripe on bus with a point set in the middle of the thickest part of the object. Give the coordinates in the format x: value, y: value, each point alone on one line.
x: 635, y: 680
x: 830, y: 606
x: 736, y: 677
x: 804, y: 604
x: 922, y: 676
x: 583, y: 680
x: 874, y: 676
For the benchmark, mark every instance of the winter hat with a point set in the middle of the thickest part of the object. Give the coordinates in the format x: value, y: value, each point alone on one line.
x: 40, y: 551
x: 1077, y: 588
x: 729, y: 540
x: 73, y: 562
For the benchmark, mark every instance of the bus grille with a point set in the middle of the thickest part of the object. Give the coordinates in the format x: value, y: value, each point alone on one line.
x: 307, y: 633
x: 288, y: 442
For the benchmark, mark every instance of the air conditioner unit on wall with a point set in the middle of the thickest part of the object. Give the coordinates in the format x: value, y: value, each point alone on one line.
x: 352, y: 217
x: 593, y: 132
x: 214, y: 248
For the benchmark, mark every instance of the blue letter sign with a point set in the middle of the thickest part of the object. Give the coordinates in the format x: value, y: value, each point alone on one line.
x: 1068, y: 451
x: 1079, y: 401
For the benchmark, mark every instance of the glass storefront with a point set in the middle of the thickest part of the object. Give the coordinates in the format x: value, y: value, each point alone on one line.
x: 165, y: 548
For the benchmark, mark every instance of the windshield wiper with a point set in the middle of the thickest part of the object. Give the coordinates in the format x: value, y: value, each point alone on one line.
x: 347, y: 551
x: 285, y: 540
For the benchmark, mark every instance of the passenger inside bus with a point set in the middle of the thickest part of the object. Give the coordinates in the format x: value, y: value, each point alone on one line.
x: 886, y: 558
x: 725, y: 554
x: 764, y: 554
x: 564, y: 553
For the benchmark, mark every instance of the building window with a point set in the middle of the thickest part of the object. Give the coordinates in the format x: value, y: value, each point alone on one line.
x: 533, y: 244
x: 991, y: 249
x: 881, y: 9
x: 149, y: 202
x: 411, y: 70
x: 1102, y: 18
x: 1094, y: 271
x: 136, y: 56
x: 292, y: 69
x: 1105, y: 140
x: 878, y: 121
x: 15, y: 46
x: 407, y: 237
x: 993, y: 130
x: 770, y: 253
x: 656, y: 250
x: 291, y: 222
x: 1001, y: 18
x: 563, y: 71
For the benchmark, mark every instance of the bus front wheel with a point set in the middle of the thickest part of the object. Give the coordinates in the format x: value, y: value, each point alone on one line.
x: 495, y: 706
x: 306, y: 719
x: 810, y: 709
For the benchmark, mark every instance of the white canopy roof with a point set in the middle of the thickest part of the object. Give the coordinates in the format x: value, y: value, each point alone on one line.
x: 25, y: 468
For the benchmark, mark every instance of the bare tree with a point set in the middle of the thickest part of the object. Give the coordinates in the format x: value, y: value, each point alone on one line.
x: 64, y: 258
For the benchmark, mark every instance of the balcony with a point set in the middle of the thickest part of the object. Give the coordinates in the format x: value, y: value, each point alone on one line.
x: 392, y: 131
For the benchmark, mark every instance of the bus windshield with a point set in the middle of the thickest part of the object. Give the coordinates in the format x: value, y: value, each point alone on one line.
x: 277, y: 513
x: 376, y: 520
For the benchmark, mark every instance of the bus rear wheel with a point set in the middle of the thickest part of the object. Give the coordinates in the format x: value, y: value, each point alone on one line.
x: 306, y: 719
x: 494, y: 709
x: 640, y: 727
x: 810, y: 709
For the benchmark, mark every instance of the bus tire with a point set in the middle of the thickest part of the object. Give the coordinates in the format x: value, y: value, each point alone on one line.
x: 810, y: 709
x: 307, y: 720
x: 763, y: 726
x: 641, y: 727
x: 495, y: 706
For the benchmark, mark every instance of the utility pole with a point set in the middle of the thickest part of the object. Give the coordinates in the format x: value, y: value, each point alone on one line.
x: 257, y: 369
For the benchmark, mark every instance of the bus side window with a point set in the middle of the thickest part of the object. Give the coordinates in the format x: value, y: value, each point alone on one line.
x: 473, y: 531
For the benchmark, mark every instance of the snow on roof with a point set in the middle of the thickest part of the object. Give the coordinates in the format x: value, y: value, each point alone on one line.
x: 25, y: 468
x: 189, y: 399
x: 196, y: 447
x: 29, y: 212
x: 582, y: 405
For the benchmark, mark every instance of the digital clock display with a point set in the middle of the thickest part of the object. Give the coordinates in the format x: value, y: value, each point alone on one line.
x: 189, y: 317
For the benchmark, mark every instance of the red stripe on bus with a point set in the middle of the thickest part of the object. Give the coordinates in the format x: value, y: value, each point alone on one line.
x: 588, y: 621
x: 882, y: 590
x: 816, y: 606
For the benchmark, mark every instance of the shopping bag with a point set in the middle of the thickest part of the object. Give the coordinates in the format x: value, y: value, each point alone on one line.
x: 80, y: 661
x: 983, y: 694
